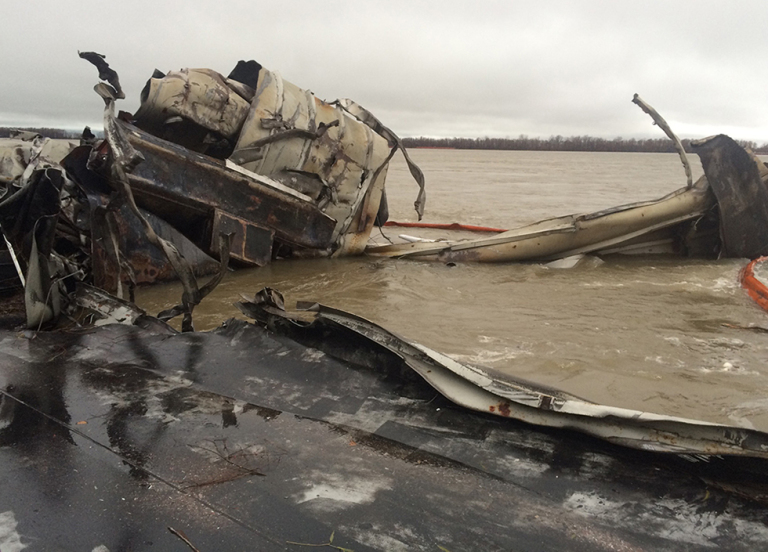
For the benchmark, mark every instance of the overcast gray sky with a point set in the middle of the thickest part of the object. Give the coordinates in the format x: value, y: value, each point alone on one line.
x: 442, y: 68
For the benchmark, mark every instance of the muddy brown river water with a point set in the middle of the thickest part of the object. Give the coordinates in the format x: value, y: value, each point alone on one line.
x: 648, y: 333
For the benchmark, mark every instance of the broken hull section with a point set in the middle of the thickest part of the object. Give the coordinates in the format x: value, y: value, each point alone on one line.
x: 318, y: 189
x: 259, y: 121
x: 723, y: 214
x: 489, y: 391
x: 676, y: 223
x: 199, y: 195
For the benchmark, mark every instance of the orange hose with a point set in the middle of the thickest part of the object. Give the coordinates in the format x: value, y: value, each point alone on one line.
x: 452, y: 226
x: 755, y: 288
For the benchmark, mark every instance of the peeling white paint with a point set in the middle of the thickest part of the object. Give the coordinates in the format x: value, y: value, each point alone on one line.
x: 10, y: 540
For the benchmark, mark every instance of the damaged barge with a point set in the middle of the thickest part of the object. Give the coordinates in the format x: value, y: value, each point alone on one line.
x: 313, y: 426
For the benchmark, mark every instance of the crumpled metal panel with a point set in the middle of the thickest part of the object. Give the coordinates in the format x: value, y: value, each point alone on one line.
x: 28, y: 217
x: 343, y: 151
x: 201, y: 96
x: 489, y: 391
x: 287, y: 130
x: 16, y: 154
x: 149, y: 264
x: 183, y: 186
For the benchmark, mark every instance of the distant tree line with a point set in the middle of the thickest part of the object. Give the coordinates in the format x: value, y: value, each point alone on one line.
x: 563, y: 143
x: 6, y: 132
x: 522, y: 142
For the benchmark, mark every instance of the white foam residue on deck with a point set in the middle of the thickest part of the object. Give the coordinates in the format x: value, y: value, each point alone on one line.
x: 312, y: 355
x: 10, y: 540
x: 381, y: 542
x: 344, y: 491
x: 397, y: 538
x: 672, y: 519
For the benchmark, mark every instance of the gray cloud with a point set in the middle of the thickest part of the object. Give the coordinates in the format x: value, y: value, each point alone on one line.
x: 425, y: 68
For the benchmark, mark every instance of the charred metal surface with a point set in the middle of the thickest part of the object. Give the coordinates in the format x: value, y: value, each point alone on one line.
x: 122, y: 161
x: 178, y: 185
x: 741, y: 195
x: 149, y: 264
x: 246, y: 72
x: 22, y: 211
x: 251, y: 244
x: 244, y: 440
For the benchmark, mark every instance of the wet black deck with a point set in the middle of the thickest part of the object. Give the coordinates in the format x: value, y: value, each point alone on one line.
x: 244, y: 440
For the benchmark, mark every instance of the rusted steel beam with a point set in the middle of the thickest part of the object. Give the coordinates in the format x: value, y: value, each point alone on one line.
x: 178, y: 184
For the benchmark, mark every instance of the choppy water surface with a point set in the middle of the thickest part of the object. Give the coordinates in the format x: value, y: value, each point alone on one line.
x: 645, y: 333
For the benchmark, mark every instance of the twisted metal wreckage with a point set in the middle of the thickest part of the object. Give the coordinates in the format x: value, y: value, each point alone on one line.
x: 249, y: 168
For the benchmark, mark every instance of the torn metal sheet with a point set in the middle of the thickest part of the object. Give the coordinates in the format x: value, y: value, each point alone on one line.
x: 183, y: 106
x: 188, y: 190
x: 66, y: 223
x: 487, y: 390
x: 663, y: 125
x: 149, y: 265
x: 122, y: 161
x: 29, y: 217
x: 735, y: 177
x: 288, y: 128
x: 108, y: 309
x: 632, y: 226
x: 25, y: 148
x: 732, y: 194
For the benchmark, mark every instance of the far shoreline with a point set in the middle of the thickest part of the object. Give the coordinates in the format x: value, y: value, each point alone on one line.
x: 521, y: 143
